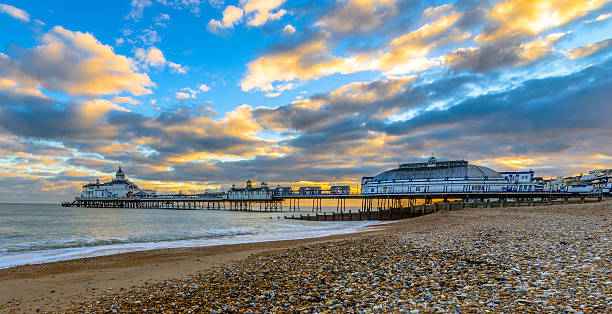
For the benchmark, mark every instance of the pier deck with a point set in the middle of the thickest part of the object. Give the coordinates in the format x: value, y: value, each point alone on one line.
x: 379, y: 204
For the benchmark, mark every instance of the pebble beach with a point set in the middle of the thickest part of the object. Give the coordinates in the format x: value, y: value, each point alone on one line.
x: 546, y: 259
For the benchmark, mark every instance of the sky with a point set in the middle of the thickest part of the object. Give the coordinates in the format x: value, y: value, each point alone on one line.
x: 196, y: 95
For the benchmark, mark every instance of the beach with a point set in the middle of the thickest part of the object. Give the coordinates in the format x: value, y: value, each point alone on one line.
x: 544, y: 258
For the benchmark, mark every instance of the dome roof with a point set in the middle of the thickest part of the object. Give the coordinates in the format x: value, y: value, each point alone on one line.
x: 438, y: 170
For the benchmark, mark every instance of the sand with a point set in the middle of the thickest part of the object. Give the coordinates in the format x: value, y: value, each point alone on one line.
x: 102, y: 282
x: 58, y: 285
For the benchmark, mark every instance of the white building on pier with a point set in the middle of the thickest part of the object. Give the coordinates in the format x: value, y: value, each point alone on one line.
x: 118, y: 187
x: 249, y: 192
x: 433, y: 176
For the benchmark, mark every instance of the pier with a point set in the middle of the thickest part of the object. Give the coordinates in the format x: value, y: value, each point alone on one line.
x: 373, y: 206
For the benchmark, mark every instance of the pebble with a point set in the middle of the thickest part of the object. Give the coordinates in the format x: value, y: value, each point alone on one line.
x: 532, y: 259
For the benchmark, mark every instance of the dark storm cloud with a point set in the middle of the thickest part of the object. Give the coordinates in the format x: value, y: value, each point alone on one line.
x: 485, y: 58
x: 45, y: 118
x: 34, y: 116
x: 545, y: 115
x: 575, y: 102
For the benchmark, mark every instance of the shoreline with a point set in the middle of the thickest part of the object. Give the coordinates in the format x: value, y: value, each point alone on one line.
x: 55, y: 285
x: 74, y: 253
x: 86, y: 284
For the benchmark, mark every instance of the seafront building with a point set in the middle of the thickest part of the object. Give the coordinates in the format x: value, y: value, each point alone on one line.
x: 249, y: 192
x: 455, y: 176
x: 599, y: 180
x: 118, y: 187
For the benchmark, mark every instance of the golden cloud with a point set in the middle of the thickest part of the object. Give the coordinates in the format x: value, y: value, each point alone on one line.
x: 313, y: 59
x: 78, y: 64
x: 588, y: 50
x: 517, y: 17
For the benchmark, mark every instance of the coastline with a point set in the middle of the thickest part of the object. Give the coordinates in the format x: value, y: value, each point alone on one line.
x: 72, y: 253
x: 55, y: 285
x: 514, y: 236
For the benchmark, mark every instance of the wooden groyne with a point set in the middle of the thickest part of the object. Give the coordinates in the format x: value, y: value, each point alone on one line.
x: 394, y: 213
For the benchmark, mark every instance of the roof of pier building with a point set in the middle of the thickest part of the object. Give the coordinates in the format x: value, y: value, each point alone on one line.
x: 434, y: 169
x: 249, y: 187
x: 119, y: 179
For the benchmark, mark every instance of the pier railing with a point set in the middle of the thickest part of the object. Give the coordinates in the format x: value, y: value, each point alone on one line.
x: 314, y: 203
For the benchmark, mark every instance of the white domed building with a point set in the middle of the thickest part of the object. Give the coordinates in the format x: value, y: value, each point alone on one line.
x: 433, y: 176
x: 118, y: 187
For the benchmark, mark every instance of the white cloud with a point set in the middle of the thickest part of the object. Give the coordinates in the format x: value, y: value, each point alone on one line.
x: 600, y: 18
x: 177, y: 68
x: 15, y: 12
x: 154, y: 57
x: 149, y: 37
x: 125, y: 100
x: 204, y: 88
x: 186, y: 93
x: 182, y: 96
x: 162, y: 20
x: 289, y: 29
x: 231, y: 16
x: 257, y: 13
x: 262, y: 11
x: 137, y: 9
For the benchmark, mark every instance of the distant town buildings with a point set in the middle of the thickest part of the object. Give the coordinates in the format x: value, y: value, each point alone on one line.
x: 599, y: 180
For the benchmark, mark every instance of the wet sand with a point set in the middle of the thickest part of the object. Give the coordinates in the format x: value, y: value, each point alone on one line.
x: 58, y: 285
x: 475, y: 259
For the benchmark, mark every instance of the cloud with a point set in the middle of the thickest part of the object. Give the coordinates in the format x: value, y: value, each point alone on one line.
x: 600, y: 18
x: 261, y: 11
x: 502, y: 54
x: 162, y: 20
x: 314, y: 58
x: 154, y: 57
x: 231, y: 16
x: 375, y: 99
x: 45, y: 118
x: 589, y: 50
x: 309, y: 60
x: 75, y: 63
x: 204, y: 87
x: 562, y: 111
x: 125, y: 100
x: 256, y: 13
x: 186, y: 93
x: 289, y: 29
x: 15, y: 12
x: 149, y: 37
x: 530, y: 17
x: 358, y: 16
x: 137, y: 9
x: 177, y: 68
x: 560, y: 115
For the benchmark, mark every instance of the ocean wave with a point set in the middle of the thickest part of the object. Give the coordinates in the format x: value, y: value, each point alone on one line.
x: 9, y: 248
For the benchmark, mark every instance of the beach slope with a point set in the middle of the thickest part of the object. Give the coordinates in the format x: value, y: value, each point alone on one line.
x: 547, y: 258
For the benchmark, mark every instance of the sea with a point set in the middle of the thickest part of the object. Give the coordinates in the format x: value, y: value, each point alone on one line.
x: 41, y: 233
